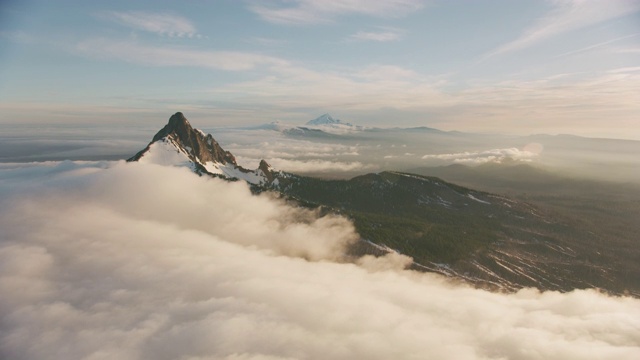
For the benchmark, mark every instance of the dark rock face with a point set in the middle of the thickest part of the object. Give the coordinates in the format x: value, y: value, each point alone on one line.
x: 266, y: 170
x: 200, y: 147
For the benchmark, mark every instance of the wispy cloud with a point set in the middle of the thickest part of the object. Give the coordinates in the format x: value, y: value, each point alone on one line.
x: 263, y: 41
x: 277, y: 147
x: 314, y: 12
x: 20, y: 37
x: 159, y: 23
x: 386, y: 73
x: 598, y: 45
x: 380, y: 36
x: 625, y: 70
x: 318, y: 166
x: 485, y: 156
x: 173, y: 56
x: 568, y: 15
x: 374, y: 87
x: 631, y: 50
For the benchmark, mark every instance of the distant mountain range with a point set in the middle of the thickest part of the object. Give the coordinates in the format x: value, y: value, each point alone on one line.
x: 488, y: 240
x: 324, y: 125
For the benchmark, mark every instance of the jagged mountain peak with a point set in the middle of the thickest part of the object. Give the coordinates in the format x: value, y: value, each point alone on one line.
x: 178, y: 124
x: 178, y: 120
x: 267, y: 170
x: 202, y: 147
x: 179, y: 144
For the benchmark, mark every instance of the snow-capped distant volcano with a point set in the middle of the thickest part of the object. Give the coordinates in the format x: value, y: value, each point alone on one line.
x: 327, y: 119
x: 179, y: 144
x: 320, y: 126
x: 328, y: 124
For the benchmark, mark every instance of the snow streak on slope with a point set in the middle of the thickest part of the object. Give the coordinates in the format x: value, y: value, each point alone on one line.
x: 139, y: 261
x: 166, y: 152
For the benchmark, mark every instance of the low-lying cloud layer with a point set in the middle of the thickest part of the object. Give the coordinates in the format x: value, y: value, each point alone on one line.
x: 134, y: 261
x: 319, y: 166
x: 485, y: 156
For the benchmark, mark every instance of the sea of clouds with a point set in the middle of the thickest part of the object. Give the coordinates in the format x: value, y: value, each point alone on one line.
x: 110, y: 260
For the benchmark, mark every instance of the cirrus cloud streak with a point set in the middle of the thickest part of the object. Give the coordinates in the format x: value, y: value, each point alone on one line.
x: 133, y: 52
x: 565, y: 16
x: 313, y: 12
x: 159, y: 23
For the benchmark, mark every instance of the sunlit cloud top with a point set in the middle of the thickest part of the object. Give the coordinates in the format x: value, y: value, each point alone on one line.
x: 134, y: 261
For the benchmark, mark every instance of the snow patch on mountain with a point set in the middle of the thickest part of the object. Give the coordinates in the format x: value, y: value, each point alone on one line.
x: 166, y: 152
x: 478, y: 200
x: 230, y: 171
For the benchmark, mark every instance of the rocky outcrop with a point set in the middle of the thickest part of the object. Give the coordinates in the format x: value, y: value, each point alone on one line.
x: 266, y: 170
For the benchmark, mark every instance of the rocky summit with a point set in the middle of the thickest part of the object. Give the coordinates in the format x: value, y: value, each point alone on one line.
x: 179, y: 144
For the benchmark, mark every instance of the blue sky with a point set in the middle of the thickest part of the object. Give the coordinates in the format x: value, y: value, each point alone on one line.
x: 491, y: 66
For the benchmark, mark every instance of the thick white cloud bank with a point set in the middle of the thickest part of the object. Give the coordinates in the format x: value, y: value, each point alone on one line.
x: 133, y: 261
